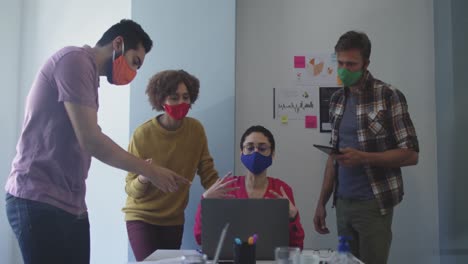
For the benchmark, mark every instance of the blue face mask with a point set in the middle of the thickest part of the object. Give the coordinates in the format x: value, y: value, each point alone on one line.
x: 256, y: 162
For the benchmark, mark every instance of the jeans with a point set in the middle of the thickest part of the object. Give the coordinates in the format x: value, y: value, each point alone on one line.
x: 47, y: 234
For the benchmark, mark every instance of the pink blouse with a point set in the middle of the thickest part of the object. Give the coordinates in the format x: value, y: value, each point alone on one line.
x: 296, y: 232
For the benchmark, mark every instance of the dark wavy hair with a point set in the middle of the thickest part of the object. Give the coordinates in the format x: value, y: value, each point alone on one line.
x: 259, y: 129
x: 354, y: 40
x: 165, y: 83
x: 132, y: 34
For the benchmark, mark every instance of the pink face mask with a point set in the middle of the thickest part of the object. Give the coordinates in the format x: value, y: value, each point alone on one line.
x: 178, y: 112
x: 122, y: 73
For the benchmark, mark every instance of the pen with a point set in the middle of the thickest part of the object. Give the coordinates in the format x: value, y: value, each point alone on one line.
x: 255, y: 237
x: 238, y: 241
x: 250, y: 240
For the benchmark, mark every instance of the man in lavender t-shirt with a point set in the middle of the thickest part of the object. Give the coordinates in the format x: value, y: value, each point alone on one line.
x: 46, y: 188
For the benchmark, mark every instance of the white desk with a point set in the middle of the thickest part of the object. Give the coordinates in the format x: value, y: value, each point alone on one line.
x: 174, y: 256
x: 163, y: 256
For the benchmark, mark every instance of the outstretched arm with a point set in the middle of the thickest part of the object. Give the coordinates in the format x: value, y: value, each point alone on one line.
x: 100, y: 146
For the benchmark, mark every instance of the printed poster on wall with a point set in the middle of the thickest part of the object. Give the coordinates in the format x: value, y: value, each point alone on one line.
x: 294, y: 103
x: 316, y: 69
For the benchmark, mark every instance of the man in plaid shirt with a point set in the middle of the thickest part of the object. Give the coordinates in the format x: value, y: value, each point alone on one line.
x: 372, y: 128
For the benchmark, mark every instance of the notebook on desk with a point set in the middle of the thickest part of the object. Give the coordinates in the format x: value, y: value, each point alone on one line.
x: 268, y: 218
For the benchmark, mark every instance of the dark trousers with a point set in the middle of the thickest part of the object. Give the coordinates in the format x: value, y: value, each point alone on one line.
x: 146, y: 238
x: 369, y: 230
x: 47, y: 234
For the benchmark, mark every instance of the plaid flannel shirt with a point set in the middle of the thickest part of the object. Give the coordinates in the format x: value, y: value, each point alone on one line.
x: 383, y: 124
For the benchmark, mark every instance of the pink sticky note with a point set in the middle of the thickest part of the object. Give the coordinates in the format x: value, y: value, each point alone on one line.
x: 311, y: 121
x: 299, y: 62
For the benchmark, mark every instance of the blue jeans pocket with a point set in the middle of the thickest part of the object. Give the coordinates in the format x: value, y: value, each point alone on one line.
x: 17, y: 213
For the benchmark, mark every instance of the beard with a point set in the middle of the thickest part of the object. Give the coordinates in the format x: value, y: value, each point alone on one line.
x: 108, y: 67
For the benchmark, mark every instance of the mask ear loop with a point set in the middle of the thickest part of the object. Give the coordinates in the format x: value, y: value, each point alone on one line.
x: 123, y: 51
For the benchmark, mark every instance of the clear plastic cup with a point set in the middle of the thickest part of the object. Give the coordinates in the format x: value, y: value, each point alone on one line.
x: 309, y: 259
x: 287, y: 255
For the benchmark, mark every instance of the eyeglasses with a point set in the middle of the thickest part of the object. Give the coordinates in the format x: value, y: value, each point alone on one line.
x: 262, y: 148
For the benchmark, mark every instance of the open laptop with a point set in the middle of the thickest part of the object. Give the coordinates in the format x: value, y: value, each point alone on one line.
x: 268, y: 218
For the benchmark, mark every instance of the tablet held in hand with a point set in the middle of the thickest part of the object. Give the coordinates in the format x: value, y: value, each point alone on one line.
x: 327, y: 149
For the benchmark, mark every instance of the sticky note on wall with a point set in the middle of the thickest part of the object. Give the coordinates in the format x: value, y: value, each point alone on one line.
x: 284, y: 119
x: 299, y: 62
x: 310, y: 121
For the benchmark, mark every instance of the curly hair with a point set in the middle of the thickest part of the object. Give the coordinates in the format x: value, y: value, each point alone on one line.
x: 165, y: 83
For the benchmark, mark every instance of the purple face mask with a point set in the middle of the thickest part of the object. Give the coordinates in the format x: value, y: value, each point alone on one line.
x: 256, y: 162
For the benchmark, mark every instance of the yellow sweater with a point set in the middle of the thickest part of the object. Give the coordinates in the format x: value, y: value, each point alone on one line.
x: 185, y: 151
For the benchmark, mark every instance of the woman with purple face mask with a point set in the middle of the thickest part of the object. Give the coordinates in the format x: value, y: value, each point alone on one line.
x: 257, y: 149
x: 155, y: 219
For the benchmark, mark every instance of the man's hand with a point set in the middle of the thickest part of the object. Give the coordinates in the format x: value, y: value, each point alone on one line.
x: 350, y: 157
x: 142, y: 178
x: 319, y: 220
x: 219, y: 188
x: 165, y: 179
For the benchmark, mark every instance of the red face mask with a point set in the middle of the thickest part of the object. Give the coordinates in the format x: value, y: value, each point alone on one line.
x: 178, y: 112
x: 122, y: 74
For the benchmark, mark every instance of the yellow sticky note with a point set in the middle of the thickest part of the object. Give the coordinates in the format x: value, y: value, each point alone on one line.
x: 284, y: 119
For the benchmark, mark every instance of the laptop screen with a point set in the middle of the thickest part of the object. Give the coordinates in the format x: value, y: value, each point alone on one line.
x: 268, y: 218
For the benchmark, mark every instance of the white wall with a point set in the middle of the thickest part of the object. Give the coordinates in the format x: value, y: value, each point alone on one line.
x: 48, y: 25
x: 10, y: 28
x: 271, y: 32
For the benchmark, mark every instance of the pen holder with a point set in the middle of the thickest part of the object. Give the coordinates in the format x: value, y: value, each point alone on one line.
x: 244, y: 253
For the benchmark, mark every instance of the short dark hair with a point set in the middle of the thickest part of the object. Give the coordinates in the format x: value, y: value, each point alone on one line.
x: 354, y: 40
x: 132, y: 34
x: 259, y: 129
x: 165, y: 83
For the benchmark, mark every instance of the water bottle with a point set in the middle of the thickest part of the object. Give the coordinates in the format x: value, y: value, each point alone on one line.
x: 343, y: 255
